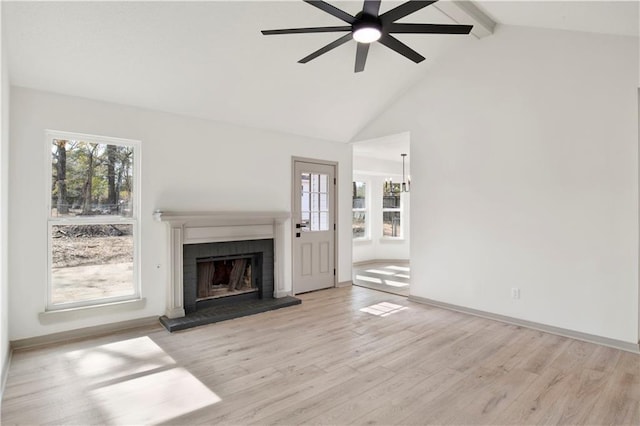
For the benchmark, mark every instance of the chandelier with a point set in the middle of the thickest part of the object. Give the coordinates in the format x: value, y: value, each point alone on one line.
x: 405, y: 186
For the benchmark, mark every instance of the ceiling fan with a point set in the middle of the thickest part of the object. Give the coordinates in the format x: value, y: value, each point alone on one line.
x: 369, y: 26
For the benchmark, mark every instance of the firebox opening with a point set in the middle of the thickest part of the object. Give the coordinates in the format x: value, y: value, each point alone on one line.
x: 225, y: 276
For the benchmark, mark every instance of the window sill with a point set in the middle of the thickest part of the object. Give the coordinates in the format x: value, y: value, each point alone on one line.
x: 392, y: 239
x: 81, y: 312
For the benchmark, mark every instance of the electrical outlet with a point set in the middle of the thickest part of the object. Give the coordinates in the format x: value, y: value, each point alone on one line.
x: 515, y: 293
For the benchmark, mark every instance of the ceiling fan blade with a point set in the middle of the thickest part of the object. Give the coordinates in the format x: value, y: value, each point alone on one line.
x: 332, y: 10
x: 307, y: 30
x: 429, y: 28
x: 342, y: 40
x: 395, y: 44
x: 371, y: 7
x: 361, y: 56
x: 404, y: 10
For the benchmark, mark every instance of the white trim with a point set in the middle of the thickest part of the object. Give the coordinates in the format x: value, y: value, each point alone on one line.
x: 336, y: 214
x: 107, y: 306
x: 465, y: 12
x: 366, y: 209
x: 134, y: 220
x: 591, y: 338
x: 5, y: 371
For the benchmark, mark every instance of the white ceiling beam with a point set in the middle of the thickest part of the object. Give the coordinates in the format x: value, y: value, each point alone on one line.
x: 465, y: 12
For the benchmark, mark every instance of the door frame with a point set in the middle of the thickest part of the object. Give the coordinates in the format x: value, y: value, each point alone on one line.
x: 336, y: 216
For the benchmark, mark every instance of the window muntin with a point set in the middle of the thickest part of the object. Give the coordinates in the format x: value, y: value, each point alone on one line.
x: 93, y: 220
x: 359, y: 206
x: 391, y: 210
x: 314, y: 202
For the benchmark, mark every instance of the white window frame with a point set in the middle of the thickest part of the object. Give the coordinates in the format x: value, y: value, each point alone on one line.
x: 366, y: 210
x: 133, y: 220
x: 393, y: 209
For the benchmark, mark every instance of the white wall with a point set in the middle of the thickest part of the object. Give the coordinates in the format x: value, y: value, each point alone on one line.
x: 4, y: 211
x: 524, y: 147
x: 375, y: 247
x: 187, y: 164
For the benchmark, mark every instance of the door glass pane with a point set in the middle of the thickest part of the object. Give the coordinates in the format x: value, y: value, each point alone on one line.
x: 323, y: 183
x: 315, y: 221
x: 323, y: 203
x: 314, y: 201
x: 305, y: 221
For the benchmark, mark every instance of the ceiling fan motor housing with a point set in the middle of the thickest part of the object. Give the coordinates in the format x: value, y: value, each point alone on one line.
x: 364, y: 20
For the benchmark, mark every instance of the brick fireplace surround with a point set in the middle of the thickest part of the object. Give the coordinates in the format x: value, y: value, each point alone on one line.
x: 210, y: 227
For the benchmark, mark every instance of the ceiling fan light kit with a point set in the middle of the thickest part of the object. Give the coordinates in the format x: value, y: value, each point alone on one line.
x: 370, y: 26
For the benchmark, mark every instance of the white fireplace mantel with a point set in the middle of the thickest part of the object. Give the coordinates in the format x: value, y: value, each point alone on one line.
x: 208, y: 227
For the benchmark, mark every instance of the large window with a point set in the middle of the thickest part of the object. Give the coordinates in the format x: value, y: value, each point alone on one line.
x: 359, y: 198
x: 93, y: 220
x: 391, y: 210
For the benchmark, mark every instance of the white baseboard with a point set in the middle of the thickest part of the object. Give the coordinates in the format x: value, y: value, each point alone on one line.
x: 85, y: 332
x: 5, y: 372
x: 344, y: 284
x: 591, y: 338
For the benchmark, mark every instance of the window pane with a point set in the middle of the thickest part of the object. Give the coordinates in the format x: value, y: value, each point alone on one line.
x: 358, y: 197
x: 359, y: 223
x: 391, y: 224
x: 91, y: 179
x: 91, y: 262
x: 315, y: 183
x: 391, y: 201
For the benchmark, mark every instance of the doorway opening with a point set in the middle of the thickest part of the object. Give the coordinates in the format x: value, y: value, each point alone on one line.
x: 381, y: 220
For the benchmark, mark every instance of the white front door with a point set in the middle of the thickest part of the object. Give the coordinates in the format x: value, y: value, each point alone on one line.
x: 313, y: 226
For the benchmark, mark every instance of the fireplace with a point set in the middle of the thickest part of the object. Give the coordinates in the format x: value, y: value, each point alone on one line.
x: 225, y: 276
x: 226, y: 272
x: 199, y: 241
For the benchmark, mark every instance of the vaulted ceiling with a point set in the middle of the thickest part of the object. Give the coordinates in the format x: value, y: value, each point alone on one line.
x: 209, y: 59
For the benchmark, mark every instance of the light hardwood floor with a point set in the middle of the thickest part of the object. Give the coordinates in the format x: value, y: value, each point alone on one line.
x: 344, y: 356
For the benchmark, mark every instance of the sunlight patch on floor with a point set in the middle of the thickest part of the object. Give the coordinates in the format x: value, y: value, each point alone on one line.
x: 120, y: 359
x: 153, y: 398
x: 369, y: 279
x: 135, y: 381
x: 383, y: 309
x: 402, y: 276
